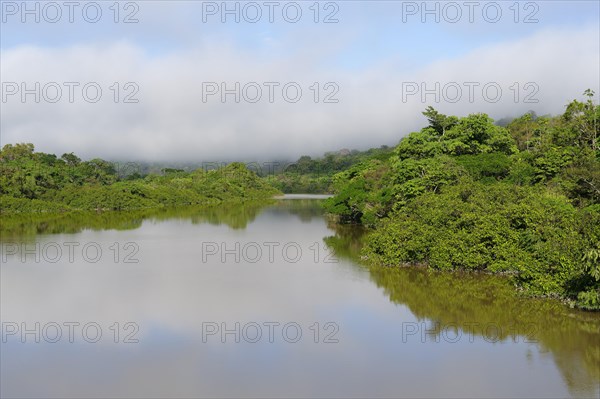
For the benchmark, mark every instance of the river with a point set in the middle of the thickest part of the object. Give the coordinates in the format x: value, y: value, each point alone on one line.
x: 265, y: 301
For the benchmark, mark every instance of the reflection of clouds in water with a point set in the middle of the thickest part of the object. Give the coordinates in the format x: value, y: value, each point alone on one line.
x: 171, y: 292
x: 182, y: 368
x: 172, y: 286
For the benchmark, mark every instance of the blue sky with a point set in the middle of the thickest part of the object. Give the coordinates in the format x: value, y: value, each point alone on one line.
x: 375, y: 28
x: 369, y: 53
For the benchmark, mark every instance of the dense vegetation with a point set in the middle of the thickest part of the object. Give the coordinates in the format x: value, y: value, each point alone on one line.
x: 466, y: 194
x: 35, y: 181
x: 315, y: 176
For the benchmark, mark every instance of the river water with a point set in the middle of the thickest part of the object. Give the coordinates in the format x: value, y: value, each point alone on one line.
x: 264, y: 301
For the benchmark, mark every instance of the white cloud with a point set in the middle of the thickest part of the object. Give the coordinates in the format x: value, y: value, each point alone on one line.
x: 171, y: 121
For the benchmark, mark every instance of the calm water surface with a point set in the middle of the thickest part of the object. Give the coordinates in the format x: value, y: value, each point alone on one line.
x: 259, y: 301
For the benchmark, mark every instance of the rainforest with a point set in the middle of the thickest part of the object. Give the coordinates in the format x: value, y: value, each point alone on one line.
x: 463, y: 193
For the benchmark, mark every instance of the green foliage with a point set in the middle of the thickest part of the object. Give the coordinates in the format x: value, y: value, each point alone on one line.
x: 475, y: 134
x: 521, y: 170
x: 34, y: 182
x: 439, y: 122
x: 315, y: 176
x: 495, y: 228
x: 10, y: 204
x: 494, y: 166
x: 465, y: 194
x: 294, y: 183
x: 362, y: 194
x: 369, y: 191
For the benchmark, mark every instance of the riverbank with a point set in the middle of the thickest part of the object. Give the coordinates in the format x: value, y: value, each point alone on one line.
x: 466, y: 194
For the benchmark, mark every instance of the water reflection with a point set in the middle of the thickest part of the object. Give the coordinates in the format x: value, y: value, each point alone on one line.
x: 488, y: 306
x: 542, y: 349
x: 306, y: 209
x: 30, y: 225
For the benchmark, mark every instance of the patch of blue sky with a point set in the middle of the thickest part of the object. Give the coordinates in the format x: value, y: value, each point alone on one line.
x: 368, y: 32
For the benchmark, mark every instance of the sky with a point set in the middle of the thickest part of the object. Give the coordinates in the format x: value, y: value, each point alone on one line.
x: 193, y: 81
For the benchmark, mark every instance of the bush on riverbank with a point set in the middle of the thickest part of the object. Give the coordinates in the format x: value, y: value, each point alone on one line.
x: 464, y: 193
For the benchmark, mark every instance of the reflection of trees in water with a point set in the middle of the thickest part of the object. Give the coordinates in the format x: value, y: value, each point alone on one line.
x: 236, y: 216
x: 347, y: 241
x: 488, y: 306
x: 306, y: 209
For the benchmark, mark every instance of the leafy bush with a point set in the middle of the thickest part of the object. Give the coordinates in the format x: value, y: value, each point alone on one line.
x: 463, y: 193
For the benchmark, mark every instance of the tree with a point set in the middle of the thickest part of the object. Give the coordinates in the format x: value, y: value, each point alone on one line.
x: 439, y: 122
x: 13, y: 152
x: 584, y: 118
x: 71, y: 159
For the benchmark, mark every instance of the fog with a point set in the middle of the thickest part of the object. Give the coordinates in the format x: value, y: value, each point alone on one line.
x: 159, y: 97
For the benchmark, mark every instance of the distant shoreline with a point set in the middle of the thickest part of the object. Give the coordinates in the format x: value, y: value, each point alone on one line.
x: 303, y: 196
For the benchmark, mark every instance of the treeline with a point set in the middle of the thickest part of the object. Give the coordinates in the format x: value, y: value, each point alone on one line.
x: 35, y: 182
x: 315, y: 176
x: 465, y: 194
